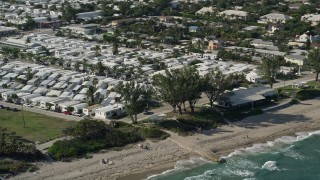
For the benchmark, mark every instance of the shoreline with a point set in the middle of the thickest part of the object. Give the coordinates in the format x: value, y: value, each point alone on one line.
x: 144, y: 174
x: 313, y: 125
x: 135, y: 163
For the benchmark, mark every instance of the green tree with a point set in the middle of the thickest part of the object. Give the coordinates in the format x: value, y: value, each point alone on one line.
x: 5, y: 60
x: 314, y: 61
x: 14, y: 97
x: 216, y: 84
x: 29, y: 74
x: 115, y: 47
x: 100, y: 68
x: 97, y: 50
x: 135, y: 97
x: 68, y: 12
x: 77, y: 65
x: 168, y: 88
x: 90, y: 94
x: 192, y: 85
x: 30, y: 23
x: 268, y: 69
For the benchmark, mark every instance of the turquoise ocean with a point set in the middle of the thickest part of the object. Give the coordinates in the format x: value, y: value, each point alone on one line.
x: 288, y: 157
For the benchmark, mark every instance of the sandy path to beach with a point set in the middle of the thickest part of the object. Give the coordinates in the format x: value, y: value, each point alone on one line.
x: 222, y: 141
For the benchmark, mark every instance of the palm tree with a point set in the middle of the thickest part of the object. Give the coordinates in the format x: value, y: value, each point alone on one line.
x: 77, y: 65
x: 97, y: 49
x: 100, y: 67
x: 90, y: 94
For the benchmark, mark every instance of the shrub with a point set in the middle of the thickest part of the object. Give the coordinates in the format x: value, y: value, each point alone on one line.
x: 79, y: 146
x: 255, y: 112
x: 15, y: 167
x: 120, y: 124
x: 306, y: 94
x: 12, y: 146
x: 176, y: 126
x: 153, y: 133
x: 294, y: 101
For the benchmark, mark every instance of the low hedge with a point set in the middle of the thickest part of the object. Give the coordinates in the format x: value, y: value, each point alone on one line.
x: 153, y: 133
x: 176, y: 126
x: 306, y: 94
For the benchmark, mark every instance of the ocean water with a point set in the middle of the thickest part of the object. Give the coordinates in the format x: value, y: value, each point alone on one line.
x: 288, y: 157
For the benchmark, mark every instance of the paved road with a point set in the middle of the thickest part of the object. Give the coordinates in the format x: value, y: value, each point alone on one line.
x: 305, y: 78
x: 40, y: 111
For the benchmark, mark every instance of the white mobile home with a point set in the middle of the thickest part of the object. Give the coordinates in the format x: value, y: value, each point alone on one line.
x: 7, y: 95
x: 109, y: 111
x: 91, y: 109
x: 44, y: 102
x: 65, y: 105
x: 78, y: 108
x: 36, y: 100
x: 26, y: 99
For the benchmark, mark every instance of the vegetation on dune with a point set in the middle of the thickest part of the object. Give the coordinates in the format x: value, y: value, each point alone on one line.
x: 12, y: 146
x: 10, y: 167
x: 91, y: 136
x: 186, y: 124
x: 16, y: 155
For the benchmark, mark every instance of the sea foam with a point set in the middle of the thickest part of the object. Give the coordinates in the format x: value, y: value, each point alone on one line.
x: 270, y: 165
x: 182, y: 165
x: 264, y: 147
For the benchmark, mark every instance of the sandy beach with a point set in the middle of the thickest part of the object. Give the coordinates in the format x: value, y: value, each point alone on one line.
x: 136, y: 163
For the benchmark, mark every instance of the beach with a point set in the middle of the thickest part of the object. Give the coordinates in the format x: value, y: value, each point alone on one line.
x: 135, y: 163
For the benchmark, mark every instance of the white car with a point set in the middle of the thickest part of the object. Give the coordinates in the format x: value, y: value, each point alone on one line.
x: 27, y: 105
x: 77, y: 114
x: 44, y: 108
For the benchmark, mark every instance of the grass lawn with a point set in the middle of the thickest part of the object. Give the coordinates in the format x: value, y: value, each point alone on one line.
x: 38, y: 127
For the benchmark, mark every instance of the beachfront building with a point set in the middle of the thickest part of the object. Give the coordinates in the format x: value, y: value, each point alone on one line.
x: 245, y: 98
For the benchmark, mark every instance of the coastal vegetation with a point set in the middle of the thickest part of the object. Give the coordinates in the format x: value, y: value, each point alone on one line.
x: 16, y: 154
x: 91, y: 136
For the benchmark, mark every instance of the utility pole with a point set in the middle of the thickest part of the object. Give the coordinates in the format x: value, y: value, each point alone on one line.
x: 24, y: 122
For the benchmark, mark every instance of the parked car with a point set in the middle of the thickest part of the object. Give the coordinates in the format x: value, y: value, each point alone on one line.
x: 44, y: 108
x: 27, y: 105
x: 76, y: 114
x: 2, y: 107
x: 67, y: 113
